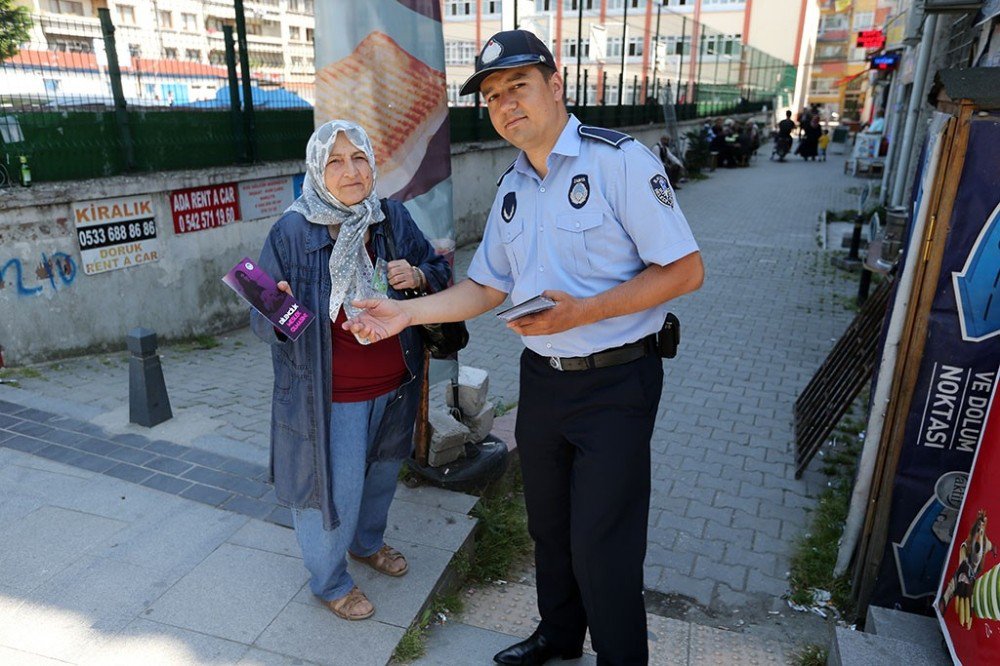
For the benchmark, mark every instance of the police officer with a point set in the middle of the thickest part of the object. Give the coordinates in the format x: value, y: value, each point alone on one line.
x: 586, y: 217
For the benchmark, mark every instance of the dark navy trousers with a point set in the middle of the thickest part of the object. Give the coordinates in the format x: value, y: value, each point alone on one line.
x: 583, y: 440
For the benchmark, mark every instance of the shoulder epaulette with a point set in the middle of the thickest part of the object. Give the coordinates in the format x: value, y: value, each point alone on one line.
x: 610, y: 137
x: 506, y: 171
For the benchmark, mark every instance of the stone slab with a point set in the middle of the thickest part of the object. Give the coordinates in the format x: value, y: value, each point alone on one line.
x: 857, y: 648
x: 268, y: 537
x: 313, y: 633
x: 79, y: 609
x: 46, y: 541
x: 154, y: 644
x: 910, y: 627
x: 234, y: 593
x: 397, y: 601
x: 439, y: 498
x: 418, y: 524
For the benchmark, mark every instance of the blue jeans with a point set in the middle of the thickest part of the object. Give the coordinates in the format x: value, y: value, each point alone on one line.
x: 362, y: 494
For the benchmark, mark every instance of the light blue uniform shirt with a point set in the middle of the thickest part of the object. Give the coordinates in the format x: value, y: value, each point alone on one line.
x: 599, y: 218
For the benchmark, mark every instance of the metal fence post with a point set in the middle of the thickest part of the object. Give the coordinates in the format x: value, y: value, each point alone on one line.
x: 115, y: 73
x: 249, y: 125
x: 239, y: 140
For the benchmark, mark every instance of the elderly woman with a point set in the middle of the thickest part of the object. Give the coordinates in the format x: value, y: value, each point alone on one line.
x: 343, y: 411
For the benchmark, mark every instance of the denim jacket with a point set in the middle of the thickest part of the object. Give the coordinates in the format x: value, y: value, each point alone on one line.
x: 299, y: 252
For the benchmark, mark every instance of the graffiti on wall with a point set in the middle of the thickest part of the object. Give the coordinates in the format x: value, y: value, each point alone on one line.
x: 57, y: 270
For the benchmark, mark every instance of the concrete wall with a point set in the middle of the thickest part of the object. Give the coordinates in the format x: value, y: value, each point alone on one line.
x: 49, y: 306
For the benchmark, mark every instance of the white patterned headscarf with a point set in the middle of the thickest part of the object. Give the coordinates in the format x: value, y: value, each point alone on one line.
x: 351, y: 268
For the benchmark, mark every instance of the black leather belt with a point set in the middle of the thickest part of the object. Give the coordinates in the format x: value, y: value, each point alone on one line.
x: 607, y: 358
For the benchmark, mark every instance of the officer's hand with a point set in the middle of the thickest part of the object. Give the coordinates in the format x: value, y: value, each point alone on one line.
x: 568, y: 313
x: 382, y: 318
x: 284, y: 287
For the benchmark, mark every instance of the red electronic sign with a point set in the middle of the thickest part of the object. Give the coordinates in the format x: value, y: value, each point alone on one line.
x: 871, y: 39
x: 200, y: 208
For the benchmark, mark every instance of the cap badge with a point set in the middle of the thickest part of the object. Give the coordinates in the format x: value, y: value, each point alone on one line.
x: 491, y: 52
x: 579, y: 191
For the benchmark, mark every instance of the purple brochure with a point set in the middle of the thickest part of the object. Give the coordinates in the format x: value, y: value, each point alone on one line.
x: 259, y: 290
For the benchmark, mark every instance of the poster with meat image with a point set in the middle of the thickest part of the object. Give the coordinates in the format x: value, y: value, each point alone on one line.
x: 381, y: 64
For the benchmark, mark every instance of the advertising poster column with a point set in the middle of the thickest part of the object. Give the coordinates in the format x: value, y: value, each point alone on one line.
x: 380, y: 63
x: 957, y: 376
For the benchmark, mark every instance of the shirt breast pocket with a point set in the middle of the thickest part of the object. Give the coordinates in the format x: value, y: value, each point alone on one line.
x: 578, y: 239
x: 513, y: 243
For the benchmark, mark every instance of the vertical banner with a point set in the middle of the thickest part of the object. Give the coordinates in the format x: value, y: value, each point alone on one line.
x: 380, y: 63
x: 968, y: 601
x: 957, y: 376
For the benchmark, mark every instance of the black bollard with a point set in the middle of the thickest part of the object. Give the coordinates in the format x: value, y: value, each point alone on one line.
x: 148, y: 403
x: 859, y: 221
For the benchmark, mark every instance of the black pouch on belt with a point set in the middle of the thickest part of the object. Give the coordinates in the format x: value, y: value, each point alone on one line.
x: 669, y: 336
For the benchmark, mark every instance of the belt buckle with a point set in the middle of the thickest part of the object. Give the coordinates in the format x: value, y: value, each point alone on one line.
x: 556, y: 363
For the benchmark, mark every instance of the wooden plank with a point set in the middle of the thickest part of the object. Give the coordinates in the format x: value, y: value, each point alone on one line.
x: 875, y: 533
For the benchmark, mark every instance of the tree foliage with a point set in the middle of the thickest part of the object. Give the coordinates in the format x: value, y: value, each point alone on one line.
x: 15, y: 22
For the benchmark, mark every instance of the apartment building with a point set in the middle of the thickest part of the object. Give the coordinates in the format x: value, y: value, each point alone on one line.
x: 590, y: 37
x: 840, y: 80
x: 280, y: 36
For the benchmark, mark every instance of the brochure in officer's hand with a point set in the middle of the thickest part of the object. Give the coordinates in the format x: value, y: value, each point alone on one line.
x: 259, y: 290
x: 530, y: 306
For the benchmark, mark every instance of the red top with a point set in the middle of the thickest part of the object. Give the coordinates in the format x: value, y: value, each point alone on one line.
x: 362, y: 372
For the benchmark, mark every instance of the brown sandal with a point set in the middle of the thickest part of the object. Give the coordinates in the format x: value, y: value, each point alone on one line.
x: 385, y: 560
x: 352, y: 606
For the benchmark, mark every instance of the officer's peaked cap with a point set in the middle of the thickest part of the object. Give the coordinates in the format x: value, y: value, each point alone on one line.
x: 507, y: 49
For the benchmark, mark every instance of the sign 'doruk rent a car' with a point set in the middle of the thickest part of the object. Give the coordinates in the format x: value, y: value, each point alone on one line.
x: 115, y: 233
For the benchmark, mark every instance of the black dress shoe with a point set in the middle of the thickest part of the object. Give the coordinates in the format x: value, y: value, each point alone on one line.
x: 534, y: 651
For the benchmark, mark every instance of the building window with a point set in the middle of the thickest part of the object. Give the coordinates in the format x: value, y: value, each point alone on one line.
x: 189, y: 22
x: 135, y: 50
x: 166, y: 20
x: 126, y: 14
x: 70, y: 45
x: 192, y: 54
x: 823, y: 86
x: 296, y: 62
x: 635, y: 45
x: 863, y: 20
x: 614, y: 47
x: 459, y: 52
x: 170, y: 53
x: 619, y: 5
x: 574, y: 5
x: 295, y: 33
x: 73, y: 7
x: 833, y: 23
x: 492, y: 6
x: 310, y: 35
x: 459, y: 8
x: 569, y: 48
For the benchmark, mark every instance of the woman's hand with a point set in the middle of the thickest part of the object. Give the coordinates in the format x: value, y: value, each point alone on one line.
x: 283, y: 286
x: 402, y: 275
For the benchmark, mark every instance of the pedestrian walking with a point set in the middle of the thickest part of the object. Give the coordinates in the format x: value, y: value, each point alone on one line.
x: 586, y: 217
x: 343, y: 412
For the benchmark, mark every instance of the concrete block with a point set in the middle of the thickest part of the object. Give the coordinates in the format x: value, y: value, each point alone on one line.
x: 909, y: 627
x: 446, y: 432
x: 473, y: 387
x: 856, y: 648
x: 480, y: 424
x: 437, y: 458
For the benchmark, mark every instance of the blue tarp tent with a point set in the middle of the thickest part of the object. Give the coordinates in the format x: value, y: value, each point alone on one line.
x: 263, y: 98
